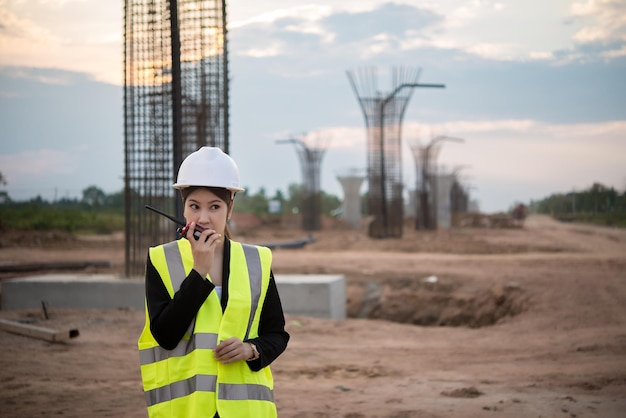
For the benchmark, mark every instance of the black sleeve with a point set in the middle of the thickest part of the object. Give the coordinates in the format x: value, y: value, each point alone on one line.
x: 170, y: 317
x: 273, y: 338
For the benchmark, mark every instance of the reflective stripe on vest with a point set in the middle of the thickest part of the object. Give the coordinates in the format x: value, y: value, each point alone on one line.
x: 196, y: 342
x: 204, y: 383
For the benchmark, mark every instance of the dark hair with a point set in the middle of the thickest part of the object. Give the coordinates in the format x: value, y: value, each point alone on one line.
x: 223, y: 194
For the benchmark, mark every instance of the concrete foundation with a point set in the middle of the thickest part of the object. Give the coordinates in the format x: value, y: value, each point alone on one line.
x: 322, y: 296
x: 72, y: 291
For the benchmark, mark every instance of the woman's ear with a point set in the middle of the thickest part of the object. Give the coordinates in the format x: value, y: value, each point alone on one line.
x: 230, y: 209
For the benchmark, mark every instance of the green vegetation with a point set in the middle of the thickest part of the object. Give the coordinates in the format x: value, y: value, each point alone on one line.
x: 598, y: 205
x: 99, y: 213
x: 259, y: 203
x: 95, y: 213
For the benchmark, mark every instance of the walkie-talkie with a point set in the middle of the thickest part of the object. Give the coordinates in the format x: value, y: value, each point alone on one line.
x: 183, y: 228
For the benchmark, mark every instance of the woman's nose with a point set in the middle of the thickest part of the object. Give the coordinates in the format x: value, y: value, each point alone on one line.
x: 204, y: 217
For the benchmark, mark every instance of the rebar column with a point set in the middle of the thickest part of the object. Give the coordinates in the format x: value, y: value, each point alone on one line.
x: 383, y: 118
x: 175, y: 101
x: 310, y: 162
x: 426, y: 181
x: 425, y: 159
x: 459, y: 201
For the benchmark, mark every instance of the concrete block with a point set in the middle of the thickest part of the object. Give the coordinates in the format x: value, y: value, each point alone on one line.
x: 322, y: 296
x: 73, y: 291
x: 317, y: 295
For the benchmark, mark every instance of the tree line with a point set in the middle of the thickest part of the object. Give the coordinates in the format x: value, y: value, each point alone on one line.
x: 597, y: 204
x: 100, y: 212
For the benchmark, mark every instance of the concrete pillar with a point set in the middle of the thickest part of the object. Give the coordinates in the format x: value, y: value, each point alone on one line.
x: 410, y: 209
x: 444, y: 204
x: 351, y: 185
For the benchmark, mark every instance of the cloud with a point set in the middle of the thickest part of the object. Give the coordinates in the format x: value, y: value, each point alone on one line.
x: 494, y: 30
x: 305, y: 13
x: 512, y: 89
x: 83, y: 35
x: 505, y: 149
x: 47, y: 76
x: 33, y: 164
x: 604, y: 27
x: 328, y: 34
x: 441, y: 33
x: 65, y: 134
x: 389, y: 19
x: 503, y: 161
x: 47, y: 173
x: 280, y: 31
x: 87, y: 35
x: 17, y: 29
x: 22, y: 39
x: 535, y: 152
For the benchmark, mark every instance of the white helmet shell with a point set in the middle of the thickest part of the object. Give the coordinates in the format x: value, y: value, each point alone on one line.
x: 210, y: 167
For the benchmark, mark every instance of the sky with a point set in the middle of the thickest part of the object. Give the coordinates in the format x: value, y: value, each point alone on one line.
x: 536, y: 90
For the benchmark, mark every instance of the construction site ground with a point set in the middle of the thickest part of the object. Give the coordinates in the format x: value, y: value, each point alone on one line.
x: 473, y: 322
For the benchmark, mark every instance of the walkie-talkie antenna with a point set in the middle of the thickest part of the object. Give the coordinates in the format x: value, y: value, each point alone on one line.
x: 171, y: 218
x: 181, y: 231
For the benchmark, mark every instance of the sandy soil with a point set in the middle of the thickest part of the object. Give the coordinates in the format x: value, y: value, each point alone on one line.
x: 527, y: 322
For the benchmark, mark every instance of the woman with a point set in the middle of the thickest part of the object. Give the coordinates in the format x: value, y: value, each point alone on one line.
x: 214, y: 320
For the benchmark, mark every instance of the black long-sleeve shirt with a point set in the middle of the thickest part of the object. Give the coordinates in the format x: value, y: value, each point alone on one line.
x: 170, y: 317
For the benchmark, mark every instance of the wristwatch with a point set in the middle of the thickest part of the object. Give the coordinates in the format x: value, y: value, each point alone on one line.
x: 255, y: 352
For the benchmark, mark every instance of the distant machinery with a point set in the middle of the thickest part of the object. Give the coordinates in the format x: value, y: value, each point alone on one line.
x: 175, y: 101
x: 427, y: 181
x: 383, y: 118
x: 310, y: 162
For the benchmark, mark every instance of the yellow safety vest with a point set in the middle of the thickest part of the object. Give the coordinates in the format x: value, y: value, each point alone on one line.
x: 187, y: 381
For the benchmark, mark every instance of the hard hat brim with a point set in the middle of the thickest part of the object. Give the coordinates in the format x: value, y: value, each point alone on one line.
x: 180, y: 186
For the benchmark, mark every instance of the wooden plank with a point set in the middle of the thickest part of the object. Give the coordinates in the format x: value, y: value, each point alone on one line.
x: 34, y: 331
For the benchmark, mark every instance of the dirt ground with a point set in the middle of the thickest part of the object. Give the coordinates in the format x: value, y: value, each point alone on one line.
x: 527, y: 322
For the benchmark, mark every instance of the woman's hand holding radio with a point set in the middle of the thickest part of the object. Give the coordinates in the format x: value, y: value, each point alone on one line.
x: 203, y: 247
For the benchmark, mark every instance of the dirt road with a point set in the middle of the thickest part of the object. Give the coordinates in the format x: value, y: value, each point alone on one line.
x: 527, y: 322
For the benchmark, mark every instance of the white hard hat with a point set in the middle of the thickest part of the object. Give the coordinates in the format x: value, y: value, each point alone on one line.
x: 210, y: 167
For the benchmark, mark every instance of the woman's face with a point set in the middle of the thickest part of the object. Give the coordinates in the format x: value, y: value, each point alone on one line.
x: 207, y: 210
